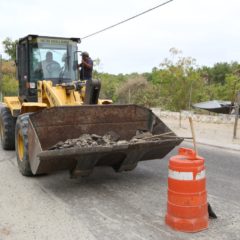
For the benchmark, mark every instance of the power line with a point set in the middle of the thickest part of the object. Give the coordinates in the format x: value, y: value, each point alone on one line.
x: 126, y: 20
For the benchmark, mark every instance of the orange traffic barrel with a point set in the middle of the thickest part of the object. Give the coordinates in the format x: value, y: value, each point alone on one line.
x: 187, y: 196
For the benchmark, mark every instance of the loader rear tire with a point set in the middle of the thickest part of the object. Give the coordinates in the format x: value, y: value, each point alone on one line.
x: 21, y: 142
x: 7, y: 129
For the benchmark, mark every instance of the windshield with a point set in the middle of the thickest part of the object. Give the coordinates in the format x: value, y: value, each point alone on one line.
x: 53, y: 59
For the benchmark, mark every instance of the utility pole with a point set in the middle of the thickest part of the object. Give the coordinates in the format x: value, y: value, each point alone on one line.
x: 237, y: 106
x: 1, y: 78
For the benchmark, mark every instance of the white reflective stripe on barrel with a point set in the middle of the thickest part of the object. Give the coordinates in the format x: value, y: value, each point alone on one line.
x: 201, y: 175
x: 185, y: 175
x: 180, y: 175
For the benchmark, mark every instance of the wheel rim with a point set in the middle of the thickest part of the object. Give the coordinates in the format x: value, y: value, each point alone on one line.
x: 20, y: 146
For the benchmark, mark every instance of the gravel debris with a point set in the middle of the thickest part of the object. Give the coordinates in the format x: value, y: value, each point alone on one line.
x: 109, y: 139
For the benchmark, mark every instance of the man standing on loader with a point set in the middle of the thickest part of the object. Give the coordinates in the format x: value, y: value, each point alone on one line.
x: 86, y: 67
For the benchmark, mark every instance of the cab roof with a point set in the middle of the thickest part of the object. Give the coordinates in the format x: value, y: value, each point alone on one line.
x: 32, y: 36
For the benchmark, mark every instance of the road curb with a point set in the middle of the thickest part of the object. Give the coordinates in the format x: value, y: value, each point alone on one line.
x: 216, y: 146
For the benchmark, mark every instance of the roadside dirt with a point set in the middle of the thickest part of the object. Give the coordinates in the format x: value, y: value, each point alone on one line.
x: 216, y: 134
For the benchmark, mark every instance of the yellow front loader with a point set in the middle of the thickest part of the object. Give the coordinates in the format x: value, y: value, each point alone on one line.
x: 53, y: 106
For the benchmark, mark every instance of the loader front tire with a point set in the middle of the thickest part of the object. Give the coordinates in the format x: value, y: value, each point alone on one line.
x: 21, y: 142
x: 7, y: 129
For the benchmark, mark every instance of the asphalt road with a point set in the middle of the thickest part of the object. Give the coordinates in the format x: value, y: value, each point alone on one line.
x: 109, y: 205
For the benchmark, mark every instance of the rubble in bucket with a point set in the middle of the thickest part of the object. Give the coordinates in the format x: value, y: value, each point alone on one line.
x: 109, y: 139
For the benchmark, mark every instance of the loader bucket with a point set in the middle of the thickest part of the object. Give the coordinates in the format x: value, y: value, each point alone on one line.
x: 49, y: 126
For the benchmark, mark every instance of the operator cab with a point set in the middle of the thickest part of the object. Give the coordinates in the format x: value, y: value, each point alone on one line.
x: 45, y: 58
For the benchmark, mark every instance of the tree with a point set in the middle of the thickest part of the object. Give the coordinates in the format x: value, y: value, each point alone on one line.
x: 128, y: 91
x: 178, y: 80
x: 110, y: 85
x: 10, y: 47
x: 148, y: 96
x: 232, y: 86
x: 217, y: 73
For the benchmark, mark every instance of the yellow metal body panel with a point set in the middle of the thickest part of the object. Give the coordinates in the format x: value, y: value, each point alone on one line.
x: 50, y: 96
x: 32, y: 107
x: 58, y: 95
x: 13, y: 104
x: 17, y: 108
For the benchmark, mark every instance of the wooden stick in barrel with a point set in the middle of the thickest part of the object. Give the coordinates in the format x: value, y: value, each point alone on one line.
x: 193, y: 134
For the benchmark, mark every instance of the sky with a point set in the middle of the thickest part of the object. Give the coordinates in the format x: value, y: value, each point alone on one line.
x: 207, y: 30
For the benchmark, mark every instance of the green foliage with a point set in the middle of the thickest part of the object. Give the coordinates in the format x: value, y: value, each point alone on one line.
x: 9, y: 86
x: 178, y: 80
x: 8, y: 67
x: 10, y: 47
x: 110, y: 85
x: 148, y: 96
x: 218, y: 73
x: 131, y: 88
x: 8, y: 83
x: 222, y: 81
x: 174, y: 85
x: 230, y: 89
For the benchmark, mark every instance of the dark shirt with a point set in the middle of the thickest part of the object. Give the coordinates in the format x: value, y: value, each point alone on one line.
x: 86, y: 72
